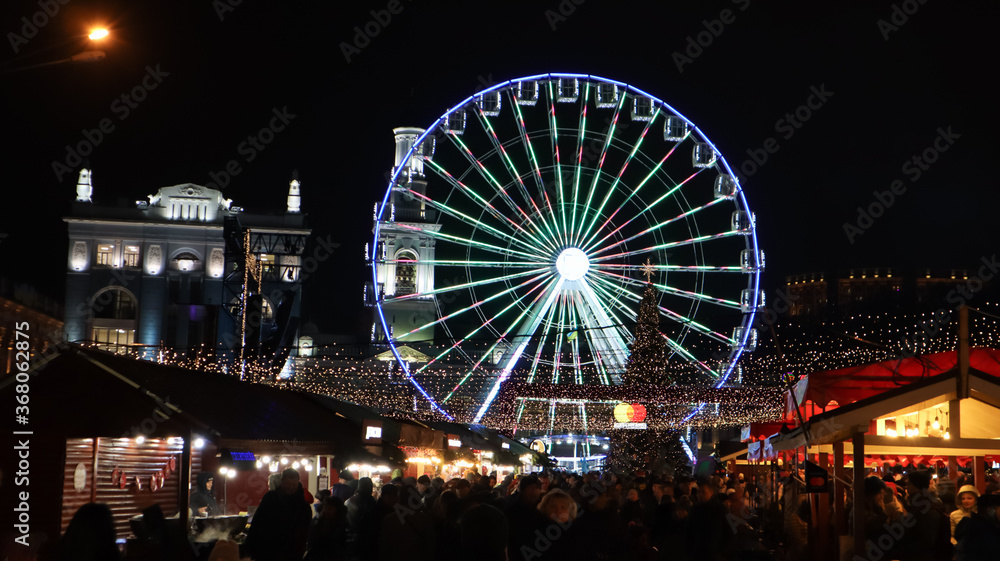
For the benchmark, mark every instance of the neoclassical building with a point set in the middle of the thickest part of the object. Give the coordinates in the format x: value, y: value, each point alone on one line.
x: 184, y: 270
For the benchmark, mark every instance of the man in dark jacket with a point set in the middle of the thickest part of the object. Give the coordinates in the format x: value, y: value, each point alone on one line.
x: 929, y: 537
x: 280, y: 527
x: 202, y: 499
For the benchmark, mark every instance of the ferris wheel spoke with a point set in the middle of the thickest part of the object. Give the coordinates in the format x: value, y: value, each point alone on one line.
x: 621, y: 206
x: 651, y: 229
x: 541, y: 346
x: 676, y: 291
x: 674, y: 345
x: 608, y: 137
x: 574, y: 346
x: 524, y: 334
x: 532, y: 157
x: 672, y: 315
x: 464, y: 242
x: 474, y: 264
x: 442, y: 207
x: 674, y: 268
x: 554, y: 140
x: 482, y: 202
x: 473, y: 284
x: 642, y: 183
x: 489, y: 178
x: 580, y: 137
x: 659, y: 247
x: 478, y: 304
x: 603, y: 333
x: 498, y: 146
x: 585, y: 319
x: 476, y: 330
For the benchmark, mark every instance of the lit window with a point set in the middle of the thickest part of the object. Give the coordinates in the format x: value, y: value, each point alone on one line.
x: 268, y: 263
x: 131, y: 256
x: 104, y: 253
x: 112, y: 339
x: 406, y: 273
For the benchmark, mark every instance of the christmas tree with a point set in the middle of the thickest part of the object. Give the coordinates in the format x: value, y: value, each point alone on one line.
x: 647, y: 361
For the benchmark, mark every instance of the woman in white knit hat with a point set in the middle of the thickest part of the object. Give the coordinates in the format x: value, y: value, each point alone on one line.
x: 965, y: 500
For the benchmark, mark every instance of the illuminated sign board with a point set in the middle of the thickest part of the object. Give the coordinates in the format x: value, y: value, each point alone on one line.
x: 505, y: 445
x: 630, y: 416
x: 241, y: 460
x: 454, y: 441
x: 371, y: 431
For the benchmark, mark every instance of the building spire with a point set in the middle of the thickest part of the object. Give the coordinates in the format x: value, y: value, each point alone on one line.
x: 294, y: 198
x: 83, y: 186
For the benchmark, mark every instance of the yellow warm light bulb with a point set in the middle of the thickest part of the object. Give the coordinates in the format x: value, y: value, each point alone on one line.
x: 98, y: 34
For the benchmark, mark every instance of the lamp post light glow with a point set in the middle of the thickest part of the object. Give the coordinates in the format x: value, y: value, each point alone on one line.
x: 98, y: 34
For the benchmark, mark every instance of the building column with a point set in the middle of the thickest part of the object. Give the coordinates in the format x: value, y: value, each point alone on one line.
x: 152, y: 298
x: 839, y: 496
x: 858, y: 440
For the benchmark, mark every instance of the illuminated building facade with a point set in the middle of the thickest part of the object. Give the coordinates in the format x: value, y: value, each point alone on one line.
x: 185, y: 270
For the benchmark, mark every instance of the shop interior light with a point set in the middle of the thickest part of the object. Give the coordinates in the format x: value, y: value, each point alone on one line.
x: 140, y: 439
x: 309, y: 467
x: 274, y: 467
x: 284, y: 461
x: 295, y: 465
x: 936, y: 424
x: 199, y: 442
x: 266, y: 459
x: 260, y: 464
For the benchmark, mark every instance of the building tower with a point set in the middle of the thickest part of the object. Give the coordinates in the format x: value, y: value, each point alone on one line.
x: 404, y: 254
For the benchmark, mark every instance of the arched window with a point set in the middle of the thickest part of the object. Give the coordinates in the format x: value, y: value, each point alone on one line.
x: 113, y: 302
x: 113, y: 319
x: 406, y: 272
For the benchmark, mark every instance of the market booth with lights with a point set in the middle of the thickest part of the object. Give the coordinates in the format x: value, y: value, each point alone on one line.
x: 938, y: 411
x: 131, y: 434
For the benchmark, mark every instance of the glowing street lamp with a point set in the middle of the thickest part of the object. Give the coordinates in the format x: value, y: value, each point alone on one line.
x: 98, y: 34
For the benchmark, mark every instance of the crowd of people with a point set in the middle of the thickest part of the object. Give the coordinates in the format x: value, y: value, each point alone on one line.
x: 561, y: 515
x: 915, y: 516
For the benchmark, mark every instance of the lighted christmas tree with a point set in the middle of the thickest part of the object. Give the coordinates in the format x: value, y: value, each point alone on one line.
x: 647, y: 361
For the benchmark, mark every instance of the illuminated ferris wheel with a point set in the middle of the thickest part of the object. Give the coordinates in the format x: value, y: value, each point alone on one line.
x: 543, y: 205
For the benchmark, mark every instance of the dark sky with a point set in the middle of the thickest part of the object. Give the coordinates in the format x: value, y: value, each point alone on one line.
x: 892, y: 89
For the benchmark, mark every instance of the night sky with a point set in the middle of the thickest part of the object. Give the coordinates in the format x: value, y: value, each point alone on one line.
x: 891, y: 89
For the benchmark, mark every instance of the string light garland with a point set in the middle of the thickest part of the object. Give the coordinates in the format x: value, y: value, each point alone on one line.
x: 340, y: 372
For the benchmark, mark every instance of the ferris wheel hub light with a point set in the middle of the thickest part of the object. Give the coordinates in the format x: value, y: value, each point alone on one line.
x: 572, y: 264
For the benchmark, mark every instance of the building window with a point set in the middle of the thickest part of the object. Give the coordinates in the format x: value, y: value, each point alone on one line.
x: 114, y: 303
x: 268, y: 264
x: 406, y: 273
x: 113, y: 339
x: 104, y: 254
x: 267, y: 312
x: 131, y: 256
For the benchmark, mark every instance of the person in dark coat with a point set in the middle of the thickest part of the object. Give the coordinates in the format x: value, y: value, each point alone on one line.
x: 202, y: 499
x: 709, y: 535
x: 978, y: 535
x: 90, y: 536
x: 280, y: 527
x: 523, y: 518
x: 328, y: 534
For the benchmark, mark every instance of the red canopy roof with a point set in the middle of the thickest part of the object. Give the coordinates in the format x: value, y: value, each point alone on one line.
x: 816, y: 391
